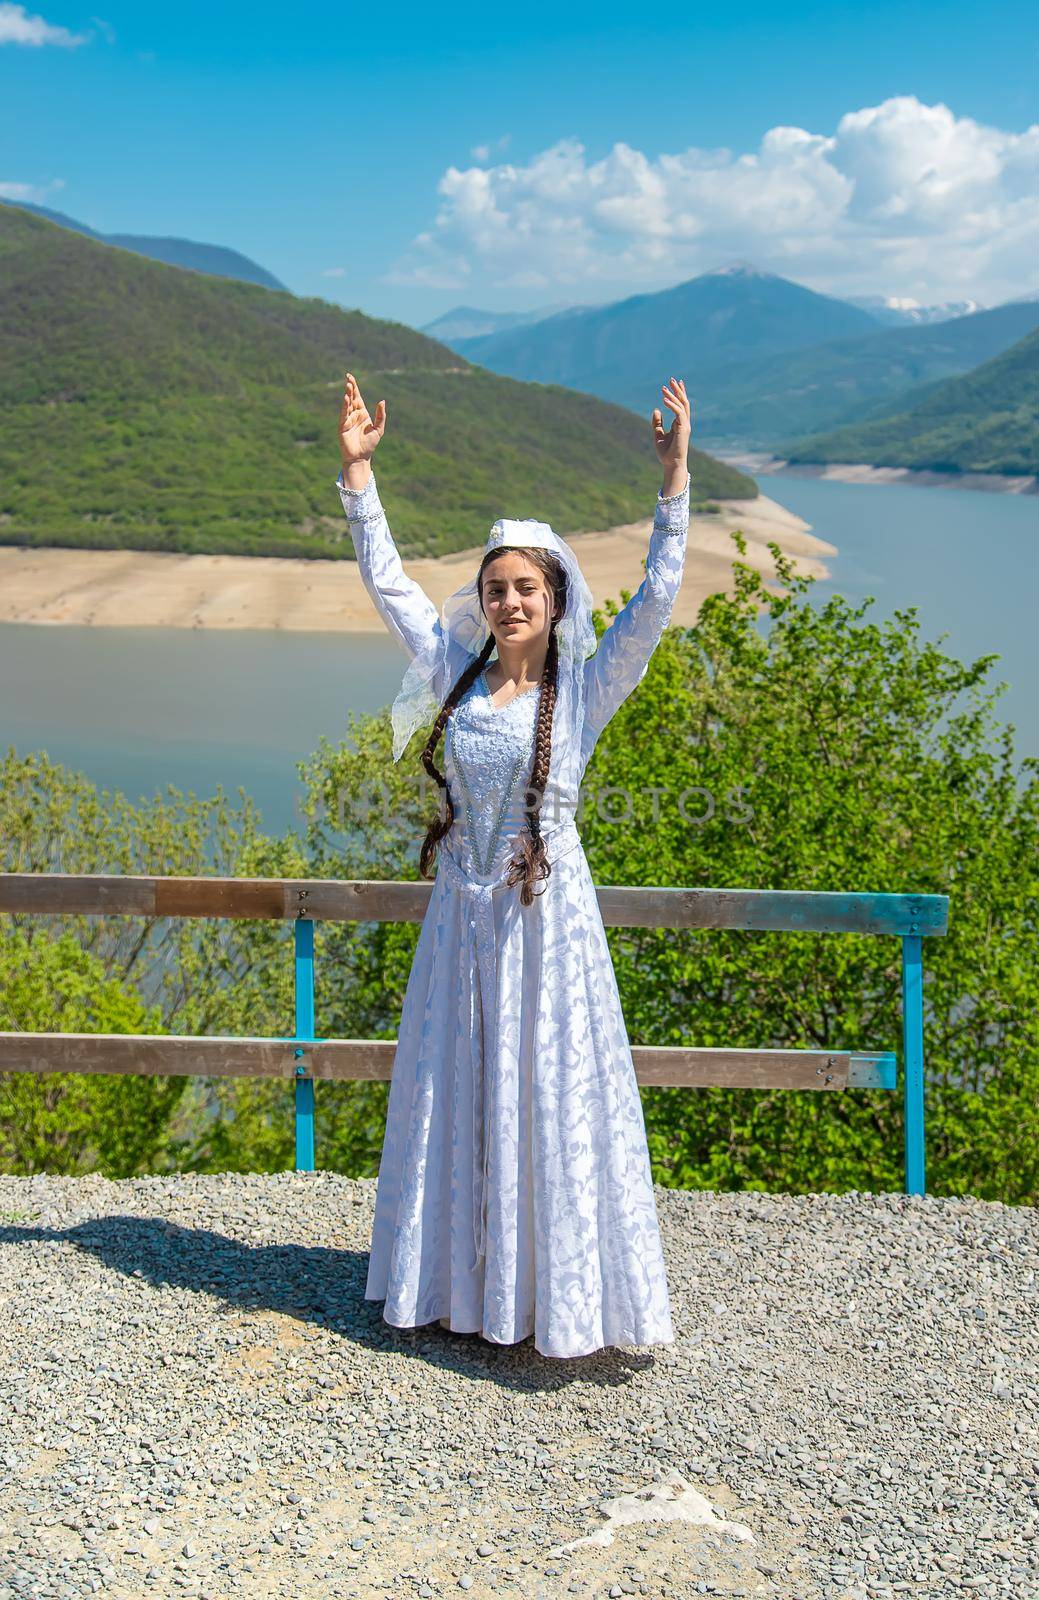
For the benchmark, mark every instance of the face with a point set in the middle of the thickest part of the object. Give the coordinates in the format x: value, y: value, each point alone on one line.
x: 517, y: 599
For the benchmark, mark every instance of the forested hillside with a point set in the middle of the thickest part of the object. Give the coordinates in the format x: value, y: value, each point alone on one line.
x: 145, y: 407
x: 985, y: 421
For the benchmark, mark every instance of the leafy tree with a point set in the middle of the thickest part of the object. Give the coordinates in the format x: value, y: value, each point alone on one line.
x: 827, y: 751
x: 190, y: 976
x: 74, y: 1122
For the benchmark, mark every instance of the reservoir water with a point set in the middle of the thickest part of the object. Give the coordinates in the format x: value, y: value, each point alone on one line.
x: 967, y: 559
x: 136, y: 709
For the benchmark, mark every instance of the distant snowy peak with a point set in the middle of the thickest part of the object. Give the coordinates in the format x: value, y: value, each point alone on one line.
x: 738, y: 269
x: 901, y: 309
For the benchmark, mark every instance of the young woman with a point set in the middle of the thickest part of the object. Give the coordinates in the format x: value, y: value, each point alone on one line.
x: 514, y: 1192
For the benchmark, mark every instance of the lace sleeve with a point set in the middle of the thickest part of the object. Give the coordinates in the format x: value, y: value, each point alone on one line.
x: 622, y: 658
x: 403, y: 605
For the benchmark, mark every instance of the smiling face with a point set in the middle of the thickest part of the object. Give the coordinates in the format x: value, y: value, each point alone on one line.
x: 517, y: 599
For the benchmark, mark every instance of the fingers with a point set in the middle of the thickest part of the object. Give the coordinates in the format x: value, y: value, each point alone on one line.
x: 679, y: 405
x: 675, y: 394
x: 352, y: 400
x: 353, y: 413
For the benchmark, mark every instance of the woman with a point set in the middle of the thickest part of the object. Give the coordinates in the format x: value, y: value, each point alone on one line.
x: 514, y: 1192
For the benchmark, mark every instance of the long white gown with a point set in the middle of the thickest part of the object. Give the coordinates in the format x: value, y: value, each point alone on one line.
x: 514, y: 1193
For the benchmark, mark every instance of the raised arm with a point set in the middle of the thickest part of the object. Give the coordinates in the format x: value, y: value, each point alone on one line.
x: 404, y: 607
x: 622, y: 658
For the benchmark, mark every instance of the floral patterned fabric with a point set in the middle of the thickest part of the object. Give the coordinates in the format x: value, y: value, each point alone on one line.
x: 514, y: 1193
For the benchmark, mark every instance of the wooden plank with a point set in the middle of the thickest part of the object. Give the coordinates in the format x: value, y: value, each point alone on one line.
x: 180, y: 1055
x: 372, y: 1059
x: 81, y: 894
x: 776, y: 910
x: 753, y: 910
x: 676, y: 1067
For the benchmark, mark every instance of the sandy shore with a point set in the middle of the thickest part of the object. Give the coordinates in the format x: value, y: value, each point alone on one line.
x: 859, y: 472
x: 126, y: 588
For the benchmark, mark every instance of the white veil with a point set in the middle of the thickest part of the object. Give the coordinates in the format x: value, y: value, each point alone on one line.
x: 462, y: 632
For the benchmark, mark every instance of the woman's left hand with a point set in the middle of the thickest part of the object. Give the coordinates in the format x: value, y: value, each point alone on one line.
x: 673, y: 446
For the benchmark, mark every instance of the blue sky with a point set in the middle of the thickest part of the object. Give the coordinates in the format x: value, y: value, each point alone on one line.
x: 404, y: 160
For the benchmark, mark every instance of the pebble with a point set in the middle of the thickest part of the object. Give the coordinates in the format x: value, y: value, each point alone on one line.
x: 198, y: 1399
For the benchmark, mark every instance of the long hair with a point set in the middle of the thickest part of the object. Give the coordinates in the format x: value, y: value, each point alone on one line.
x: 531, y: 864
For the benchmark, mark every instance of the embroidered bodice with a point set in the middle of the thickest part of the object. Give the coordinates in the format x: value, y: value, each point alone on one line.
x: 487, y: 752
x: 488, y: 757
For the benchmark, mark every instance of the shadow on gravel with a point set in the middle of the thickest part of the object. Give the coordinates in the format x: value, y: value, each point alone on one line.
x: 315, y: 1285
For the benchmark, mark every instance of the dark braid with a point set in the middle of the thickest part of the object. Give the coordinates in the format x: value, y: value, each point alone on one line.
x: 444, y: 820
x: 531, y: 865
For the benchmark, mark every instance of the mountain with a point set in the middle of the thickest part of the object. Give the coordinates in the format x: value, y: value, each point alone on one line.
x: 895, y: 311
x: 761, y: 403
x: 211, y: 258
x: 465, y: 322
x: 142, y: 407
x: 696, y: 330
x: 984, y: 421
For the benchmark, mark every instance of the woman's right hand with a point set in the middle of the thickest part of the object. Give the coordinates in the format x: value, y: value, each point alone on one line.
x: 358, y: 433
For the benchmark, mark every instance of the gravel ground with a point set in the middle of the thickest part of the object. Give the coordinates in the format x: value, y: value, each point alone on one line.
x: 198, y: 1401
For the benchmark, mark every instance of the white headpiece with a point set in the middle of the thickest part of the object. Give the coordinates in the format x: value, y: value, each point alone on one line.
x: 462, y: 632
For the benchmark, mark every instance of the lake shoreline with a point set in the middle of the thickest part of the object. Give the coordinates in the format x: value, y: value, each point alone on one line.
x: 55, y: 586
x: 861, y: 472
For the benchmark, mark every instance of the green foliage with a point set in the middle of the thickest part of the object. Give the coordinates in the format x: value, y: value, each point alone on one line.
x: 826, y: 751
x: 177, y: 976
x: 149, y: 408
x: 985, y: 421
x: 68, y: 1122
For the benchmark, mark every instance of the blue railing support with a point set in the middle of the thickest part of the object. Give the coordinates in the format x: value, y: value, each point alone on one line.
x: 304, y: 1033
x: 913, y: 1060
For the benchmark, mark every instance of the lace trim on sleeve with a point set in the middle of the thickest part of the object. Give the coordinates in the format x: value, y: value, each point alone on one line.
x: 672, y: 511
x: 358, y: 503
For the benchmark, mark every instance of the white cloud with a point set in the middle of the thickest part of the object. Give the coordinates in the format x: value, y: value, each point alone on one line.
x: 903, y: 198
x: 35, y: 193
x: 334, y: 272
x: 18, y: 27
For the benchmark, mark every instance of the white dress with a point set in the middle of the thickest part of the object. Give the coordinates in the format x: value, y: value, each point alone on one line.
x: 514, y: 1192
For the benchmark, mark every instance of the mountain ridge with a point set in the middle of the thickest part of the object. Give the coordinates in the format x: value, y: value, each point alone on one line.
x: 617, y: 352
x: 806, y: 391
x: 189, y: 254
x: 985, y: 420
x: 149, y: 408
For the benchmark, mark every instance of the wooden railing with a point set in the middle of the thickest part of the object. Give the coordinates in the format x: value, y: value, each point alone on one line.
x: 910, y: 918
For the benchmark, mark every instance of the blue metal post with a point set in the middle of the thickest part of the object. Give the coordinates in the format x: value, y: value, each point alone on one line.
x: 304, y: 1032
x: 913, y: 1060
